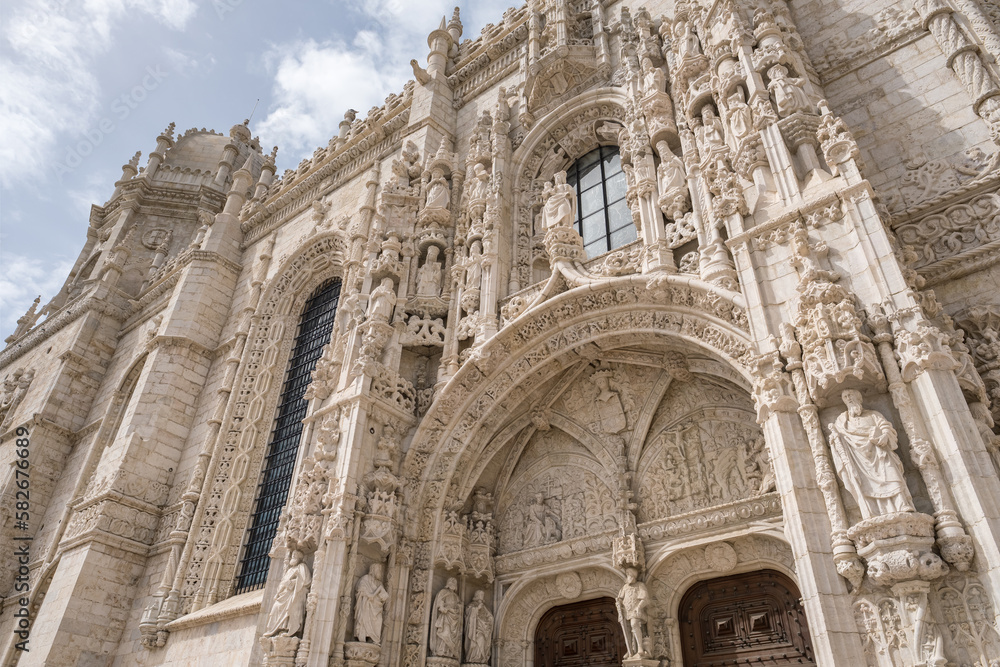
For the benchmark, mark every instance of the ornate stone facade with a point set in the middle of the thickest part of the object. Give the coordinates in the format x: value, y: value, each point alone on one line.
x: 499, y: 424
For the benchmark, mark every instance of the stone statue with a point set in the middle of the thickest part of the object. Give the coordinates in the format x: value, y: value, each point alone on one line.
x: 382, y: 301
x: 474, y: 269
x: 788, y: 95
x: 863, y: 442
x: 429, y: 275
x: 289, y: 608
x: 446, y: 622
x: 560, y: 203
x: 632, y: 602
x: 713, y: 134
x: 369, y: 605
x: 670, y: 173
x: 438, y: 195
x: 654, y: 80
x: 480, y: 186
x: 689, y: 44
x: 541, y: 525
x: 740, y: 119
x: 478, y: 631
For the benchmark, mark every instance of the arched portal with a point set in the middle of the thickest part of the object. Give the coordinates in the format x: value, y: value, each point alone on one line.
x: 578, y: 634
x: 750, y: 618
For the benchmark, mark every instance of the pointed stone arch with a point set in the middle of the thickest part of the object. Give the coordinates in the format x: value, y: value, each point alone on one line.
x: 481, y: 399
x: 239, y: 448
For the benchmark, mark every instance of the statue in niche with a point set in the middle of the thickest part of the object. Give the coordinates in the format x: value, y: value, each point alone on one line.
x: 474, y: 268
x: 740, y: 118
x: 478, y: 631
x: 369, y: 605
x: 438, y: 195
x: 671, y: 170
x: 654, y: 80
x: 863, y: 444
x: 480, y: 186
x: 713, y: 134
x: 429, y: 275
x: 560, y: 203
x: 788, y: 95
x: 541, y: 525
x: 689, y: 44
x: 382, y: 301
x: 289, y: 608
x: 632, y: 603
x: 608, y: 405
x: 446, y: 622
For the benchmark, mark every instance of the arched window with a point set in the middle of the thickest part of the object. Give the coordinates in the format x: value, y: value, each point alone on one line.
x: 315, y: 328
x: 602, y: 216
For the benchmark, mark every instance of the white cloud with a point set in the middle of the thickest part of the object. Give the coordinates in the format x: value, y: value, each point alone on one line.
x: 51, y: 91
x: 23, y: 279
x: 315, y: 83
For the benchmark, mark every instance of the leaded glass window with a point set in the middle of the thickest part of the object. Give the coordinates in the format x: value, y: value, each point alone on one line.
x: 602, y: 215
x: 315, y: 328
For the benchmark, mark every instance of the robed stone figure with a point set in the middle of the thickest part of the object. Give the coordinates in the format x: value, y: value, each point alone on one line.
x: 289, y: 606
x: 863, y: 445
x: 559, y: 209
x: 369, y: 606
x: 446, y: 622
x: 478, y: 631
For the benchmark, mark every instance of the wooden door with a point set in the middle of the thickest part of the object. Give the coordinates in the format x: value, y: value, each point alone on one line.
x: 748, y: 619
x: 583, y: 634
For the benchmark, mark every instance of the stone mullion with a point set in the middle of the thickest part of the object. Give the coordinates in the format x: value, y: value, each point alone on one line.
x: 833, y: 630
x: 965, y: 466
x: 340, y: 530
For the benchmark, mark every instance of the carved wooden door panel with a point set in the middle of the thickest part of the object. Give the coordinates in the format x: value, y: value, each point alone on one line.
x: 584, y: 634
x: 748, y: 619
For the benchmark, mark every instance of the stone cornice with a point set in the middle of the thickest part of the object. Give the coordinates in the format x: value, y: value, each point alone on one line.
x: 234, y: 607
x: 69, y: 313
x: 350, y: 159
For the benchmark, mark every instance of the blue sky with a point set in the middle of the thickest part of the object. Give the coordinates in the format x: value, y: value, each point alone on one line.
x: 84, y: 84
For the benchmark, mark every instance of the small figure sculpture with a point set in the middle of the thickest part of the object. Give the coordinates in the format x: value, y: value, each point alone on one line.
x: 740, y: 119
x: 541, y: 525
x: 478, y: 631
x: 369, y: 605
x: 429, y: 275
x: 788, y: 95
x: 383, y: 299
x: 632, y: 602
x: 446, y: 622
x: 474, y: 268
x: 863, y: 442
x: 289, y: 608
x: 671, y: 170
x: 438, y: 195
x: 713, y: 134
x: 560, y: 203
x: 690, y: 46
x: 480, y: 186
x: 653, y: 78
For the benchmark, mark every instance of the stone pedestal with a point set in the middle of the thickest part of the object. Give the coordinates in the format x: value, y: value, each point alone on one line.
x: 438, y: 661
x: 361, y: 654
x: 640, y: 662
x: 898, y: 547
x: 279, y: 651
